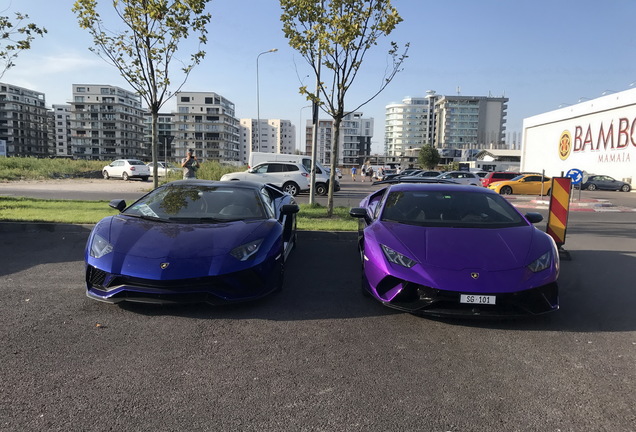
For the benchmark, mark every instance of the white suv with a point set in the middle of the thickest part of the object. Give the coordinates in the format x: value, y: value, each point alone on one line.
x: 292, y: 178
x: 126, y: 169
x: 462, y: 177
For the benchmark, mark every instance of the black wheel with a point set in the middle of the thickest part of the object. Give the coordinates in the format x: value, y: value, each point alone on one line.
x: 125, y: 176
x: 548, y: 192
x: 105, y: 174
x: 591, y: 187
x: 144, y: 179
x: 626, y: 188
x: 321, y: 189
x: 291, y: 188
x: 505, y: 190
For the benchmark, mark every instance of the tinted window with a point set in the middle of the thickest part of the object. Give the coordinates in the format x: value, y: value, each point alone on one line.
x: 451, y: 209
x: 291, y: 168
x: 274, y: 168
x: 195, y: 204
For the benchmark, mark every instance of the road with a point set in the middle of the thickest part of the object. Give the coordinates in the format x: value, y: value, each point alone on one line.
x: 318, y: 356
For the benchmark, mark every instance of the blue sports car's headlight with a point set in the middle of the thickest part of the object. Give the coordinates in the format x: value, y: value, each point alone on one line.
x: 397, y: 258
x: 100, y: 246
x: 246, y: 251
x: 541, y: 263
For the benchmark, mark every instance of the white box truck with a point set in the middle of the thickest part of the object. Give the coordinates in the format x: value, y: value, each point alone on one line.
x: 322, y: 173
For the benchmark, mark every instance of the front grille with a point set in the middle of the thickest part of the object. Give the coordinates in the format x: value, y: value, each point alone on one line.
x: 95, y: 277
x: 423, y: 299
x: 246, y: 283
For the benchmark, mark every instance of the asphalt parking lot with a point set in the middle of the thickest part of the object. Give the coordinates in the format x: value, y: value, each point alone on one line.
x: 318, y: 356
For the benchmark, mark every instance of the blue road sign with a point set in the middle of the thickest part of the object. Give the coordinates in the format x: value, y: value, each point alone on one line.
x: 576, y: 175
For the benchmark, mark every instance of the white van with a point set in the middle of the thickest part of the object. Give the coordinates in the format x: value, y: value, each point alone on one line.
x: 322, y: 173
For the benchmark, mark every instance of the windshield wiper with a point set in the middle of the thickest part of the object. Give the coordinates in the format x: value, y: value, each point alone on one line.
x: 197, y: 219
x: 146, y: 217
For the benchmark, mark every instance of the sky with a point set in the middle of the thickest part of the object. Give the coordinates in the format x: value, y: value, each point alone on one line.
x: 540, y: 54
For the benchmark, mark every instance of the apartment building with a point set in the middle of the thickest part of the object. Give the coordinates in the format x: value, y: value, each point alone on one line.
x: 273, y: 136
x: 445, y: 122
x: 355, y: 140
x: 408, y: 125
x: 470, y: 122
x: 107, y: 123
x: 62, y: 130
x: 24, y: 122
x: 166, y: 130
x: 206, y: 123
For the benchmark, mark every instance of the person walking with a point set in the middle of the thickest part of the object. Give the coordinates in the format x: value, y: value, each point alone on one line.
x: 190, y: 165
x: 354, y: 171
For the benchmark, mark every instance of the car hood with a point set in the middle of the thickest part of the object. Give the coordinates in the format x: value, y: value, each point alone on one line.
x: 191, y: 250
x: 154, y: 239
x: 464, y: 248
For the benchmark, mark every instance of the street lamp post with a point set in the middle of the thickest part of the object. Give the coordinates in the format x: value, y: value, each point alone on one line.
x: 258, y: 105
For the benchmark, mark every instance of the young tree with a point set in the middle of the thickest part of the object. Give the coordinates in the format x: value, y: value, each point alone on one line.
x: 15, y: 37
x: 144, y: 51
x: 428, y: 157
x: 337, y: 35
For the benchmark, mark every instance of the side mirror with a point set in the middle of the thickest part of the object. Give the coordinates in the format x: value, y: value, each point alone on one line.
x: 290, y: 209
x: 118, y: 204
x: 358, y: 212
x: 534, y: 217
x: 251, y: 170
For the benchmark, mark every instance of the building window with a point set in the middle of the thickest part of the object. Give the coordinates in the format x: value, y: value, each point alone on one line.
x: 185, y: 99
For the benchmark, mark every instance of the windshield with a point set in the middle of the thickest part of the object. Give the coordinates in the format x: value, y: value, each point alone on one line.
x: 450, y: 209
x: 195, y: 203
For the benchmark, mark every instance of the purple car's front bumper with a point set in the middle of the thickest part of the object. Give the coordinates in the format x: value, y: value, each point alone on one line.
x: 421, y: 299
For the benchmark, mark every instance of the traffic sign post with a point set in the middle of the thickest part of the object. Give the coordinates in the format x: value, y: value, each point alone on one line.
x: 578, y: 177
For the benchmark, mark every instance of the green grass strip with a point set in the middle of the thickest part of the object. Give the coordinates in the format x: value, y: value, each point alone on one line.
x: 19, y: 209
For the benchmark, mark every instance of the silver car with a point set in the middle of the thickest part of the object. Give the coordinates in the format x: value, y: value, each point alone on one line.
x: 461, y: 177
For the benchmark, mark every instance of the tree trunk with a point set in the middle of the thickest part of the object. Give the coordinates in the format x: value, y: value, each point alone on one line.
x: 337, y: 120
x: 155, y: 148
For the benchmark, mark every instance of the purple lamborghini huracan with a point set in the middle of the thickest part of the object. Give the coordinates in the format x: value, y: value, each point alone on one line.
x: 193, y: 241
x: 443, y: 249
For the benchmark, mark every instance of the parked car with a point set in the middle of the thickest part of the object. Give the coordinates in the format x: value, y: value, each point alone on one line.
x: 604, y: 182
x: 322, y: 172
x: 495, y: 176
x: 422, y: 248
x: 461, y: 177
x: 126, y: 169
x: 193, y: 241
x: 291, y: 177
x: 164, y: 168
x: 528, y: 184
x: 413, y: 177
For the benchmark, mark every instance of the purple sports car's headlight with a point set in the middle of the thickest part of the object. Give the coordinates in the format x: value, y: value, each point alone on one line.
x: 397, y: 258
x: 100, y: 246
x: 247, y: 250
x: 541, y: 263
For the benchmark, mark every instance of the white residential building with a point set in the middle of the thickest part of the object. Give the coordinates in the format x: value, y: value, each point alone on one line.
x: 24, y: 122
x: 408, y: 125
x: 205, y: 122
x: 106, y: 123
x: 62, y: 129
x: 470, y: 122
x: 355, y: 140
x: 276, y: 136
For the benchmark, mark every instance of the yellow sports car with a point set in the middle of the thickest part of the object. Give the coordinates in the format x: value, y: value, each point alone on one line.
x: 528, y: 184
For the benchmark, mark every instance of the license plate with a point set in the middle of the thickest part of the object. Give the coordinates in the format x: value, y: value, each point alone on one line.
x: 477, y: 299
